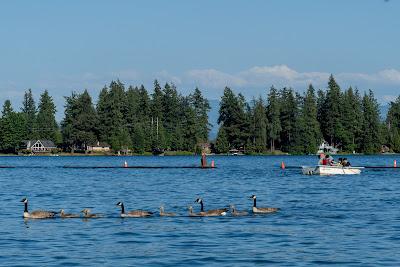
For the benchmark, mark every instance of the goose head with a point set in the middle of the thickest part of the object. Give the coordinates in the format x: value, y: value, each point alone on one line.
x: 24, y: 200
x: 85, y: 211
x: 119, y: 204
x: 253, y: 197
x: 232, y: 207
x: 161, y: 208
x: 199, y: 200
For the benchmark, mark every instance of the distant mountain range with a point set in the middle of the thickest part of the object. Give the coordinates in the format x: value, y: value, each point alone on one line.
x: 213, y: 116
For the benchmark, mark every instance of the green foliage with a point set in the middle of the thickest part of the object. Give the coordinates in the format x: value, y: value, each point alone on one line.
x: 222, y: 144
x: 46, y: 125
x: 273, y: 114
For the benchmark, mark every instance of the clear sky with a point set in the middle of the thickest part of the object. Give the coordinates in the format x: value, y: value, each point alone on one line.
x: 248, y: 45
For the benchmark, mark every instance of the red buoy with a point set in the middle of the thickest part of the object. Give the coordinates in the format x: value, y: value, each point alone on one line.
x: 125, y: 164
x: 282, y: 165
x: 395, y: 163
x: 212, y: 164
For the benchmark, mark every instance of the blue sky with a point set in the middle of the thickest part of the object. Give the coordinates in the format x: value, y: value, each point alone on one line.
x: 248, y: 45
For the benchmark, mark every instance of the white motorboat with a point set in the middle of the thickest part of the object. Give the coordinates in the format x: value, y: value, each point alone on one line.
x: 331, y: 170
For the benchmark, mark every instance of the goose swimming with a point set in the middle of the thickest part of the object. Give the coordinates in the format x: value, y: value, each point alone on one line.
x: 192, y: 214
x: 68, y: 215
x: 37, y: 214
x: 163, y: 213
x: 235, y: 212
x: 216, y: 212
x: 87, y: 214
x: 261, y: 210
x: 133, y: 213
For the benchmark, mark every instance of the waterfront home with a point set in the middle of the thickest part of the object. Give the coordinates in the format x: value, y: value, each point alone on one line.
x: 39, y: 146
x: 98, y: 147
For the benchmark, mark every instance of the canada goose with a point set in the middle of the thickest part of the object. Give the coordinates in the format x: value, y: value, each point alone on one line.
x: 261, y: 210
x: 87, y: 214
x: 37, y: 214
x: 217, y: 212
x: 192, y: 214
x: 68, y: 215
x: 235, y: 212
x: 133, y: 213
x: 163, y: 213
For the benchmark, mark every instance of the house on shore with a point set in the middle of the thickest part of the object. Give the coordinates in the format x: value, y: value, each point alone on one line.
x: 39, y: 146
x: 98, y: 147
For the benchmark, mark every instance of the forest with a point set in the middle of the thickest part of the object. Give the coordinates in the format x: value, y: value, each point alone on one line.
x: 136, y: 120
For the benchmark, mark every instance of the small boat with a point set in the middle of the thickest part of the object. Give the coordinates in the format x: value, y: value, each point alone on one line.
x: 331, y: 170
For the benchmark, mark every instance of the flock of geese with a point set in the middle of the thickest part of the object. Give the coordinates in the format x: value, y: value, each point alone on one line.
x: 86, y: 213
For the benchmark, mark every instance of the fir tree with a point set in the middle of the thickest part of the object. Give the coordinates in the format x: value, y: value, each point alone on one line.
x: 47, y: 127
x: 273, y: 115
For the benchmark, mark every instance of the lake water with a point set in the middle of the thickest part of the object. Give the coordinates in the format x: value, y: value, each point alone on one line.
x: 342, y: 220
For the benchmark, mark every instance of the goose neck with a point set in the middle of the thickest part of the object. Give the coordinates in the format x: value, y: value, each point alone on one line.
x: 26, y: 207
x: 254, y: 202
x: 122, y: 209
x: 202, y: 206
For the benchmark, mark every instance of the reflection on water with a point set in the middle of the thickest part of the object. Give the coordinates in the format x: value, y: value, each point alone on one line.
x: 343, y: 220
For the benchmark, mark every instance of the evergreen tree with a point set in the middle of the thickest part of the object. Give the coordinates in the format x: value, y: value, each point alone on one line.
x: 259, y: 126
x: 308, y: 133
x: 288, y: 116
x: 201, y: 108
x: 233, y: 118
x: 351, y: 120
x: 393, y: 125
x: 273, y: 115
x: 29, y: 110
x: 222, y: 143
x: 12, y: 129
x: 371, y: 125
x: 332, y: 123
x: 157, y: 128
x: 79, y: 126
x: 47, y: 127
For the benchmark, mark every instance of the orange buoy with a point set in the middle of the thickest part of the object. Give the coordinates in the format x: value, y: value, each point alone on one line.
x: 395, y: 163
x: 282, y: 165
x: 212, y: 164
x: 125, y: 164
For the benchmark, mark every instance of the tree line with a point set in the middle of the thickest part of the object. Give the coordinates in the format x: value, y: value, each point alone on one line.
x: 125, y: 118
x: 133, y: 119
x: 297, y: 123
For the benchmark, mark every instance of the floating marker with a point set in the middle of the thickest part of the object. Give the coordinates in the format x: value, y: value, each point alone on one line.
x: 282, y: 165
x: 125, y: 164
x: 212, y: 164
x: 395, y: 163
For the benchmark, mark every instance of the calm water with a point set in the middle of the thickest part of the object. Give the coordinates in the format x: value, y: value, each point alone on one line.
x: 343, y: 220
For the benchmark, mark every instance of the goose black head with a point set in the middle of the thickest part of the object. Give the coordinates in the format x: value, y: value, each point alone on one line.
x: 119, y: 204
x: 24, y: 200
x: 253, y: 197
x: 199, y: 200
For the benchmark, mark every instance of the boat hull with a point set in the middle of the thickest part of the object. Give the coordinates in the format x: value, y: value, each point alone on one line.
x: 331, y: 170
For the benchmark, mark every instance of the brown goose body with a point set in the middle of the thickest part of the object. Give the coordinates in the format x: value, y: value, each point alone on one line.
x: 68, y: 215
x: 264, y: 210
x: 215, y: 212
x: 166, y: 214
x: 133, y: 213
x: 37, y: 214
